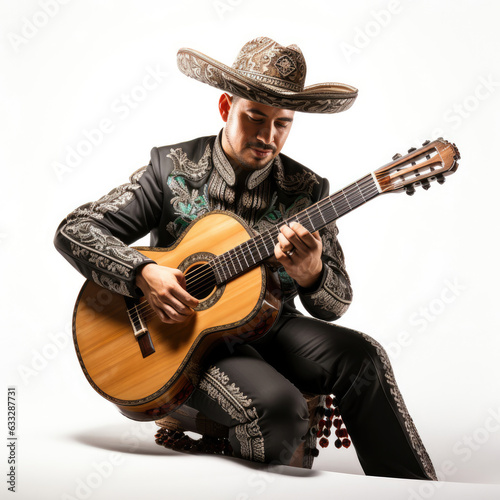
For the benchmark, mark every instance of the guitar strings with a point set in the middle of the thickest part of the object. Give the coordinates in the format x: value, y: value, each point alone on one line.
x: 314, y: 214
x: 268, y: 238
x: 338, y: 202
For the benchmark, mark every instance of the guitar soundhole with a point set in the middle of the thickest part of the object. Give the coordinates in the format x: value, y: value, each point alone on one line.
x: 200, y: 281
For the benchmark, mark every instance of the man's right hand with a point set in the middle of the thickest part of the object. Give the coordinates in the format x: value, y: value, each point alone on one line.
x: 165, y: 290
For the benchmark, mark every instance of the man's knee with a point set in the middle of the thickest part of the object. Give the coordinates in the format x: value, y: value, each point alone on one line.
x: 366, y: 362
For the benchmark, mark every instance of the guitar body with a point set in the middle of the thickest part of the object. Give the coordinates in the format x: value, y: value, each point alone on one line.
x: 149, y: 384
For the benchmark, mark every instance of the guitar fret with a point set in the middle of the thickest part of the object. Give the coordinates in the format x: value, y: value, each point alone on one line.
x: 273, y: 239
x: 238, y: 262
x: 346, y: 199
x: 361, y: 192
x: 306, y: 221
x: 234, y: 260
x: 257, y: 246
x: 216, y: 269
x: 333, y: 206
x: 224, y: 267
x: 244, y: 256
x: 321, y: 214
x: 250, y: 254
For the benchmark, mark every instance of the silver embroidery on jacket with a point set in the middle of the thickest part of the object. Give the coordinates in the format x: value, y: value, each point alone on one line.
x: 87, y: 241
x: 227, y: 172
x: 115, y: 200
x: 90, y: 243
x: 336, y: 293
x: 222, y: 164
x: 188, y: 203
x: 216, y: 384
x: 189, y: 169
x: 327, y: 299
x: 301, y: 182
x: 108, y: 282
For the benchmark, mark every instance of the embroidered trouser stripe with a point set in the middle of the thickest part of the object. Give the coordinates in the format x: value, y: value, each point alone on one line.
x: 239, y: 407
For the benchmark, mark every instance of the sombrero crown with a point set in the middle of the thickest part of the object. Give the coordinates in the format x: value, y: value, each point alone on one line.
x: 267, y: 72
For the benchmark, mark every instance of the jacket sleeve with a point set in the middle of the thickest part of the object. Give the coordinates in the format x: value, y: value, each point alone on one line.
x: 95, y: 237
x: 331, y: 297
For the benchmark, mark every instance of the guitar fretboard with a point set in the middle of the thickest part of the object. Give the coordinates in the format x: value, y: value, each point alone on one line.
x: 255, y: 250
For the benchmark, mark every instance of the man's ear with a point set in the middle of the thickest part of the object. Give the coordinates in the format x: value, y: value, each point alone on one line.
x: 225, y: 103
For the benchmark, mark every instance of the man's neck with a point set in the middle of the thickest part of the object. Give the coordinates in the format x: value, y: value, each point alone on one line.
x: 238, y: 174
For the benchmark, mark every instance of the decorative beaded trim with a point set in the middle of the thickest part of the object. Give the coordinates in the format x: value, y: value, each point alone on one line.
x: 331, y: 418
x: 179, y: 441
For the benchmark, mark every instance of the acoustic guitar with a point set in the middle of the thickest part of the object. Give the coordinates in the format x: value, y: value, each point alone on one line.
x: 148, y: 368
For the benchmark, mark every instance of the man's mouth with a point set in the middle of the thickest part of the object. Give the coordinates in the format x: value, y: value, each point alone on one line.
x: 261, y: 153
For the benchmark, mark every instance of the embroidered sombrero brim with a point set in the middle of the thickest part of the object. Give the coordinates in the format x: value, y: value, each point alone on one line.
x: 319, y: 98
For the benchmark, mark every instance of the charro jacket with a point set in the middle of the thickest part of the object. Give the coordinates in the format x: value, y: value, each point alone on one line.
x: 182, y: 182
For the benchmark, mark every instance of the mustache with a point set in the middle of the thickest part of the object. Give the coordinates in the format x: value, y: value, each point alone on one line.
x: 261, y: 145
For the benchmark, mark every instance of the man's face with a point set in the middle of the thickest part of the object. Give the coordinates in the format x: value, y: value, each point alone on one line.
x: 254, y: 133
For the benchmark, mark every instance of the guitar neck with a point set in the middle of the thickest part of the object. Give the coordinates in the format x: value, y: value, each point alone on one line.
x: 254, y: 251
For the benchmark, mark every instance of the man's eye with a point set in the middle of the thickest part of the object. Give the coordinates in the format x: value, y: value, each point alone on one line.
x: 255, y: 120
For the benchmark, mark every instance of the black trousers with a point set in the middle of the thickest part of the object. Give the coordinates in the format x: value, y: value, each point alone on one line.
x: 256, y: 391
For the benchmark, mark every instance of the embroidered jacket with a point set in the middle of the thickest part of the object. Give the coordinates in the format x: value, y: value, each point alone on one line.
x: 182, y: 182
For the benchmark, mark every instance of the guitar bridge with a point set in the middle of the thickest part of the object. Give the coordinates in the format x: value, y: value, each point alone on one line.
x: 139, y: 327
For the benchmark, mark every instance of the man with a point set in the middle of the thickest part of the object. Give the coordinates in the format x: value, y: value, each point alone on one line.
x: 255, y: 389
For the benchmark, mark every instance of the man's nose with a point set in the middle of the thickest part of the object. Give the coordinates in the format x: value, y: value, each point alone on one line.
x: 265, y: 134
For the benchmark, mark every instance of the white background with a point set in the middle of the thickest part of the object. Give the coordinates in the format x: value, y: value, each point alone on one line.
x: 424, y: 269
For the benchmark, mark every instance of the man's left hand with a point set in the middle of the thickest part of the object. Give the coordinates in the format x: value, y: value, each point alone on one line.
x: 299, y: 252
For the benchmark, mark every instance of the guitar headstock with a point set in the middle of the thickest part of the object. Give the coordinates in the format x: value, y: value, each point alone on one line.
x: 432, y: 162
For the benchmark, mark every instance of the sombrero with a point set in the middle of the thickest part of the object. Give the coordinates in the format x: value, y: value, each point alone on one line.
x: 269, y: 73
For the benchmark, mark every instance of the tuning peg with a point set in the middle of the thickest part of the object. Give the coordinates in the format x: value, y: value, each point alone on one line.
x: 411, y: 150
x: 396, y: 156
x: 425, y: 184
x: 410, y: 190
x: 426, y: 142
x: 440, y: 178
